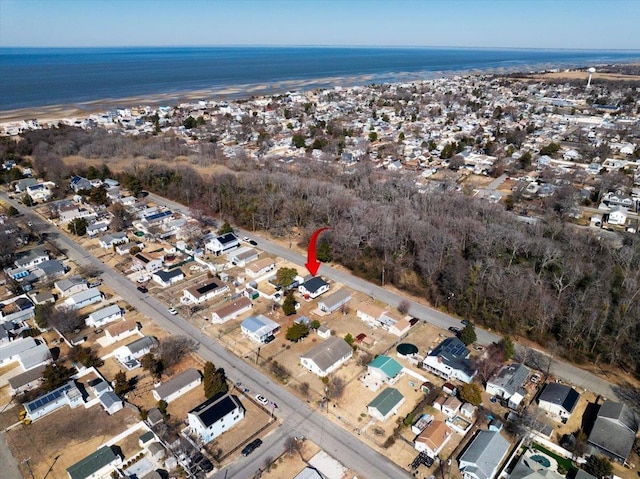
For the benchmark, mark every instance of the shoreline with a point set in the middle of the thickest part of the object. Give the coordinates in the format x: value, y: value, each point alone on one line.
x: 54, y: 113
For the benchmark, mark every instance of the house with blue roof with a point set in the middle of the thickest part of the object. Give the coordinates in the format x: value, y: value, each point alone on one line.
x: 259, y: 329
x: 450, y: 360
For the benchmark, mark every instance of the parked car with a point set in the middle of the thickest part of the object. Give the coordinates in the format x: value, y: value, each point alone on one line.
x: 252, y: 446
x: 253, y: 243
x: 535, y: 378
x: 262, y: 400
x: 172, y: 310
x: 142, y: 289
x: 454, y: 330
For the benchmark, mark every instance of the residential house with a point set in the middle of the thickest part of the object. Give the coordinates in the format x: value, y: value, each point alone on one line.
x: 30, y: 379
x: 334, y: 301
x: 41, y: 191
x: 313, y: 287
x: 400, y: 327
x: 178, y: 385
x: 97, y: 465
x: 167, y: 278
x: 327, y: 356
x: 433, y: 438
x: 483, y: 456
x: 111, y: 402
x: 386, y: 369
x: 614, y: 430
x: 242, y: 256
x: 618, y: 215
x: 259, y: 329
x: 508, y: 384
x: 558, y: 400
x: 110, y: 240
x: 450, y: 359
x: 260, y: 267
x: 121, y: 330
x: 31, y: 258
x: 94, y: 229
x: 215, y: 416
x: 200, y: 293
x: 101, y: 317
x: 79, y: 183
x: 147, y: 262
x: 385, y: 404
x: 83, y: 298
x: 28, y: 352
x: 49, y: 269
x: 17, y: 309
x: 125, y: 248
x: 22, y: 185
x: 71, y: 285
x: 221, y: 244
x: 369, y: 313
x: 41, y: 297
x: 450, y: 406
x: 66, y: 395
x: 231, y: 310
x: 129, y: 354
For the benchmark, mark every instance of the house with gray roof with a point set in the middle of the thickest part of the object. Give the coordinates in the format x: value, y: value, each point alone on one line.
x: 450, y: 360
x: 327, y: 356
x: 103, y: 316
x: 27, y: 380
x: 129, y: 354
x: 98, y: 464
x: 614, y: 430
x: 71, y: 285
x: 385, y: 404
x: 178, y: 385
x: 508, y: 384
x: 31, y: 258
x: 83, y: 298
x: 483, y: 456
x: 111, y: 402
x: 335, y: 301
x: 259, y: 329
x: 109, y: 240
x: 51, y: 269
x: 558, y: 400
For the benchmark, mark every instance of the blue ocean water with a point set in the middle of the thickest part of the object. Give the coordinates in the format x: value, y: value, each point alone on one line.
x: 33, y: 77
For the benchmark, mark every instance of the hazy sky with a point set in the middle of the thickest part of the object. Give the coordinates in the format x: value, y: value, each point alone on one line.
x: 588, y: 24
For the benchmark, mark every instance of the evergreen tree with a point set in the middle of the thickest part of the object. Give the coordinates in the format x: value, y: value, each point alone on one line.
x: 468, y: 334
x: 120, y: 383
x: 289, y: 304
x: 214, y: 380
x: 297, y: 331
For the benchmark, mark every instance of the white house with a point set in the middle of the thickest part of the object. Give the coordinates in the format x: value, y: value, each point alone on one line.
x: 120, y: 330
x: 259, y: 329
x: 231, y: 310
x: 508, y: 384
x: 242, y: 256
x: 433, y: 438
x: 327, y: 356
x: 385, y: 404
x: 97, y: 465
x: 558, y: 400
x: 450, y: 359
x: 386, y: 369
x: 202, y: 292
x: 260, y: 267
x: 94, y: 229
x: 129, y: 354
x: 83, y: 298
x: 313, y: 287
x: 31, y: 258
x: 335, y: 301
x: 178, y: 385
x: 369, y: 313
x: 66, y: 395
x: 222, y: 243
x: 215, y: 416
x: 483, y: 456
x: 16, y: 309
x: 167, y: 278
x: 99, y: 318
x: 41, y: 191
x: 618, y: 215
x: 110, y: 240
x: 71, y: 285
x: 142, y: 261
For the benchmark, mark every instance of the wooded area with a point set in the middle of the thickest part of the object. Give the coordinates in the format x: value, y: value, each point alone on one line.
x: 549, y: 281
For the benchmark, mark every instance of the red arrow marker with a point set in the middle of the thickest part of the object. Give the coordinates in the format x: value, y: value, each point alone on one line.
x: 312, y: 263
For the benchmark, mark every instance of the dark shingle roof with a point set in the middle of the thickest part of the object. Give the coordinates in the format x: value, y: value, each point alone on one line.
x: 561, y: 395
x: 215, y: 408
x: 615, y: 429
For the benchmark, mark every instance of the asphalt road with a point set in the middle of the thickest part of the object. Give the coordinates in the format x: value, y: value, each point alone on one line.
x: 558, y: 368
x: 298, y: 418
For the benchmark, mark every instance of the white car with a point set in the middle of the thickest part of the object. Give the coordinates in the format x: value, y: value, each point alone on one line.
x: 172, y: 310
x: 262, y: 400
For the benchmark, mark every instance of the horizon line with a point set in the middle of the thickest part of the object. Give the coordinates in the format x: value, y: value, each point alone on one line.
x: 269, y: 45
